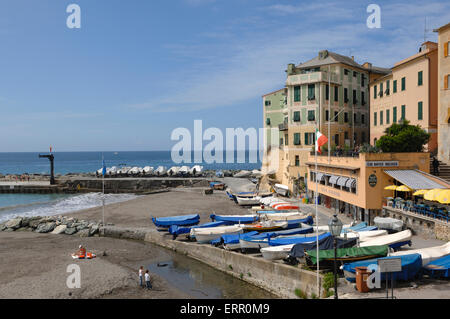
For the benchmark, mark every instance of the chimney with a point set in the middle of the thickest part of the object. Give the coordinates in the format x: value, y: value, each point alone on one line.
x: 353, y: 57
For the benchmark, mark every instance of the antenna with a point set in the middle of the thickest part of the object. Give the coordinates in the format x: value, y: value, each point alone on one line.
x: 425, y: 30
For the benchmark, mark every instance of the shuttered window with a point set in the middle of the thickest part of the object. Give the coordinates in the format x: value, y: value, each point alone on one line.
x: 375, y: 119
x: 381, y: 117
x: 403, y: 112
x: 420, y: 111
x: 388, y: 120
x: 311, y: 116
x: 296, y: 138
x: 394, y: 86
x: 375, y: 92
x: 296, y: 93
x: 336, y: 93
x: 394, y: 114
x: 403, y: 83
x: 297, y: 116
x: 420, y: 78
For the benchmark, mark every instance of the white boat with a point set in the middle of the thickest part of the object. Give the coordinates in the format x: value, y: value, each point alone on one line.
x: 196, y: 170
x: 428, y: 254
x: 124, y: 170
x: 276, y: 252
x: 283, y: 216
x: 256, y: 173
x: 160, y: 171
x: 184, y: 170
x: 365, y: 235
x: 247, y: 200
x: 281, y: 189
x: 388, y: 223
x: 205, y: 235
x: 243, y: 173
x: 135, y: 170
x: 399, y: 237
x: 326, y: 228
x: 148, y: 170
x: 173, y: 170
x: 253, y: 244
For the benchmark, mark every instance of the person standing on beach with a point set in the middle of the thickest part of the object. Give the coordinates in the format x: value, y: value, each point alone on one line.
x: 141, y: 275
x: 147, y: 280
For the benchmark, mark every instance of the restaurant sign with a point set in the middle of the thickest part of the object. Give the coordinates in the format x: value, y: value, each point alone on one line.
x: 382, y: 164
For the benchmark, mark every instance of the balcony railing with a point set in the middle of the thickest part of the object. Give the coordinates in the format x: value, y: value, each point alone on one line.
x: 337, y: 153
x: 283, y: 127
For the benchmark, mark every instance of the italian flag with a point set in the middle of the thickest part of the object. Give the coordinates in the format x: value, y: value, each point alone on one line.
x: 320, y: 140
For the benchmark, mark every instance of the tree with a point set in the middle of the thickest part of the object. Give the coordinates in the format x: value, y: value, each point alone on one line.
x: 403, y: 137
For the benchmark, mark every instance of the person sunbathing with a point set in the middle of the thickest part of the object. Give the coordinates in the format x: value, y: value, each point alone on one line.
x: 81, y: 251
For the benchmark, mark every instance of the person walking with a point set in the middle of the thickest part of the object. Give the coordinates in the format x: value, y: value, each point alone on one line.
x: 147, y: 280
x: 435, y: 166
x: 141, y: 276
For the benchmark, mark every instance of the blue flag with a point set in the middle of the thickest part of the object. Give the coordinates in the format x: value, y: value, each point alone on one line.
x: 104, y: 168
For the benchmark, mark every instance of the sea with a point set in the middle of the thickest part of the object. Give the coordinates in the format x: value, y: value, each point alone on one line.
x: 13, y: 205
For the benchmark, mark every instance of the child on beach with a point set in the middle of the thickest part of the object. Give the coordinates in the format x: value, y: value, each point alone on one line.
x: 147, y: 280
x: 141, y: 274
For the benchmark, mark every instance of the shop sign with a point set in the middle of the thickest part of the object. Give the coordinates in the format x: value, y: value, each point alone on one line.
x: 382, y: 164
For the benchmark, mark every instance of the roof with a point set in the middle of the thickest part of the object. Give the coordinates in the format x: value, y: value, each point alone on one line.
x: 331, y: 58
x: 414, y: 179
x: 442, y: 27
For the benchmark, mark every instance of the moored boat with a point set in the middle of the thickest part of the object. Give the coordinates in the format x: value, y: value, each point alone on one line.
x: 163, y: 223
x: 428, y: 254
x: 235, y: 219
x: 394, y: 241
x: 205, y: 235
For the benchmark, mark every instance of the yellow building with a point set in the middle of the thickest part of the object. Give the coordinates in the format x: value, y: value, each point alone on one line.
x: 444, y: 93
x: 409, y: 91
x: 355, y: 185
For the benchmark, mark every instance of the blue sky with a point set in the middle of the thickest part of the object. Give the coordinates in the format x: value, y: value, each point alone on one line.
x: 138, y: 69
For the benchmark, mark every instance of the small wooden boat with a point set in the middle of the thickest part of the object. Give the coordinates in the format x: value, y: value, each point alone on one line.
x: 276, y: 252
x: 262, y: 240
x: 365, y: 235
x: 206, y: 235
x: 282, y: 216
x: 281, y: 189
x: 439, y: 268
x: 163, y: 223
x: 247, y: 201
x: 394, y: 241
x: 217, y: 185
x: 235, y: 219
x: 428, y: 254
x: 264, y: 226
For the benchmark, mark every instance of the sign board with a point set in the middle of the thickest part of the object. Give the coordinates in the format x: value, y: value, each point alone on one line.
x: 373, y: 180
x: 390, y: 265
x: 382, y: 164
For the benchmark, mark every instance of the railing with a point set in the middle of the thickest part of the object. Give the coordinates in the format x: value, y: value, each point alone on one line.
x: 420, y: 209
x: 338, y: 153
x: 283, y: 127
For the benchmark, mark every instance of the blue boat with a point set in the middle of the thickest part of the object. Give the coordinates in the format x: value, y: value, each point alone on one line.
x: 295, y: 223
x: 232, y: 238
x: 411, y: 265
x: 296, y: 240
x: 235, y: 219
x: 439, y: 268
x: 368, y: 228
x: 163, y: 223
x: 357, y: 227
x: 176, y: 230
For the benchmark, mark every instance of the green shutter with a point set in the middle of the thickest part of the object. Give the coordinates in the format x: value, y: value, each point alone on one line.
x: 268, y: 121
x: 420, y: 111
x: 297, y: 116
x: 311, y: 116
x: 296, y: 93
x: 375, y: 119
x: 388, y: 117
x: 381, y: 117
x: 403, y: 112
x: 296, y: 138
x: 420, y: 78
x: 375, y: 92
x: 395, y: 86
x: 306, y: 138
x: 403, y: 83
x: 394, y: 114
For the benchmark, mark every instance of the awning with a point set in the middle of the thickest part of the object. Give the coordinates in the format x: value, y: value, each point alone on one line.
x: 320, y: 177
x: 342, y: 180
x: 333, y: 179
x: 351, y: 183
x: 414, y: 179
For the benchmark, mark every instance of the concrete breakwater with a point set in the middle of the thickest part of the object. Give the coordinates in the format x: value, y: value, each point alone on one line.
x: 277, y: 278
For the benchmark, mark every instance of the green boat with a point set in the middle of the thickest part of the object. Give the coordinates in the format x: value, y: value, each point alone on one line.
x: 345, y: 255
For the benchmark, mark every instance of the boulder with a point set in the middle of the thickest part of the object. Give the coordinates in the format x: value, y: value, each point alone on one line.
x: 45, y: 227
x: 34, y: 223
x: 93, y: 230
x: 59, y: 229
x: 84, y: 232
x: 14, y: 223
x: 2, y: 227
x: 70, y: 230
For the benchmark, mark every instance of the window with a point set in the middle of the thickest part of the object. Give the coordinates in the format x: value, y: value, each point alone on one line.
x: 268, y: 103
x: 311, y: 92
x: 354, y: 74
x: 345, y: 71
x: 403, y: 112
x: 394, y: 114
x: 281, y: 141
x: 336, y: 94
x: 363, y: 99
x: 297, y: 160
x: 363, y: 77
x: 420, y: 111
x: 420, y: 78
x: 363, y: 119
x: 363, y: 137
x: 297, y: 116
x: 309, y: 138
x: 335, y: 118
x: 388, y: 87
x: 403, y: 83
x: 311, y: 116
x: 296, y: 138
x: 345, y: 135
x: 381, y: 117
x: 446, y: 81
x: 268, y: 121
x: 297, y: 93
x: 388, y: 120
x: 354, y: 97
x: 345, y: 95
x: 354, y: 118
x: 381, y: 89
x: 394, y: 86
x: 446, y: 46
x: 375, y: 119
x: 327, y: 115
x: 346, y: 117
x: 327, y: 93
x: 375, y: 92
x: 286, y: 139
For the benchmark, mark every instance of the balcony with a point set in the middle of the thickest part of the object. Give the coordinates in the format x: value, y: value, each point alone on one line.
x: 313, y: 77
x: 283, y: 127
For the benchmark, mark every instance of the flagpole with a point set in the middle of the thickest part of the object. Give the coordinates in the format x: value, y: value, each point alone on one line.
x: 103, y: 193
x: 316, y: 199
x: 329, y: 111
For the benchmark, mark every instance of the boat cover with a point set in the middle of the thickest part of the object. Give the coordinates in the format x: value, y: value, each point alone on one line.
x: 380, y: 251
x: 298, y: 251
x: 411, y: 265
x: 308, y: 221
x: 234, y: 219
x: 355, y: 228
x: 295, y: 240
x: 185, y: 220
x: 232, y: 238
x: 388, y: 223
x: 368, y: 228
x: 288, y: 232
x: 439, y: 268
x: 177, y: 230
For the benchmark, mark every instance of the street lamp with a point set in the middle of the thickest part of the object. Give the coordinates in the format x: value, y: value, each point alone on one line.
x: 335, y: 226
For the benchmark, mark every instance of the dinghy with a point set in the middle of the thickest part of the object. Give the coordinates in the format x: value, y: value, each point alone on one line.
x: 173, y: 170
x: 365, y: 235
x: 388, y: 223
x: 247, y: 200
x: 439, y: 268
x: 266, y: 225
x: 205, y: 235
x: 297, y: 239
x: 231, y: 242
x: 411, y: 264
x: 163, y: 223
x: 281, y: 189
x: 183, y: 171
x: 217, y: 185
x: 276, y: 252
x: 262, y: 240
x: 196, y: 170
x: 148, y: 170
x: 160, y: 171
x: 176, y: 230
x: 235, y: 219
x: 394, y: 241
x: 282, y: 216
x: 428, y: 254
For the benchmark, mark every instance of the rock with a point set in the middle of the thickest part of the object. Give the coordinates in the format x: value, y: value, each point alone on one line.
x: 59, y: 229
x: 2, y: 227
x: 84, y: 233
x: 45, y: 227
x: 70, y: 230
x: 81, y: 227
x: 93, y: 230
x: 25, y: 222
x: 14, y: 223
x: 35, y: 223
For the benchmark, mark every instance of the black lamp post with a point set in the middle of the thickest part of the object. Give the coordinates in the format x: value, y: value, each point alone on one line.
x: 335, y: 226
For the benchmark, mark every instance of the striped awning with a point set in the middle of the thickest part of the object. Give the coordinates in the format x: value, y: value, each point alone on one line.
x: 333, y: 179
x: 414, y: 179
x: 351, y: 183
x: 342, y: 180
x: 320, y: 177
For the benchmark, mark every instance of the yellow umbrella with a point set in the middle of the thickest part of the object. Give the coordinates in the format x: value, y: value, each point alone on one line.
x: 420, y: 192
x: 391, y: 187
x: 432, y: 194
x: 444, y: 196
x: 403, y: 188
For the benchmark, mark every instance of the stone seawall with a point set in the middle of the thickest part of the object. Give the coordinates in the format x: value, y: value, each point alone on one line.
x: 277, y: 278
